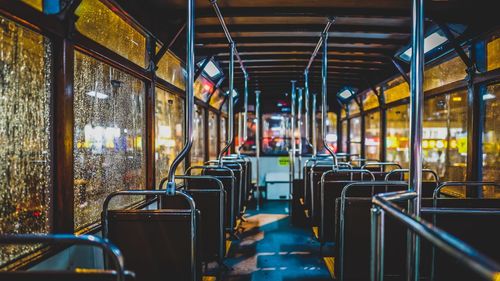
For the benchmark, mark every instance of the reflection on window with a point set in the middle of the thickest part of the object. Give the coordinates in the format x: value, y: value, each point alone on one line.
x: 275, y: 137
x: 331, y: 132
x: 372, y: 136
x: 250, y: 126
x: 397, y: 135
x: 37, y: 4
x: 198, y: 149
x: 444, y: 73
x: 109, y: 134
x: 493, y: 53
x: 344, y: 136
x: 99, y: 23
x: 217, y: 99
x: 491, y: 134
x: 353, y: 107
x: 370, y: 100
x: 212, y: 135
x: 444, y: 141
x: 203, y: 88
x: 343, y: 112
x: 396, y: 89
x: 169, y: 118
x: 25, y: 87
x: 170, y: 69
x: 223, y: 132
x: 355, y: 135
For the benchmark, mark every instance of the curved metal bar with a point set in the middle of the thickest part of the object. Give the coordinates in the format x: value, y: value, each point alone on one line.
x: 402, y: 171
x: 465, y: 184
x: 189, y: 103
x: 318, y: 45
x: 113, y: 252
x: 230, y: 136
x: 454, y: 247
x: 381, y: 165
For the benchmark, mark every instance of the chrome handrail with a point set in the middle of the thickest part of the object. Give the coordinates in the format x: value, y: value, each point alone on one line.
x: 402, y: 171
x: 468, y: 256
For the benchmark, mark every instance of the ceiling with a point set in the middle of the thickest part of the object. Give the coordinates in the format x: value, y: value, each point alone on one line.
x: 275, y: 39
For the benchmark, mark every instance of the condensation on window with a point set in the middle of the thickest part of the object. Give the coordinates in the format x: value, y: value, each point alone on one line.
x: 169, y: 118
x: 372, y: 136
x: 198, y: 149
x: 109, y: 137
x: 99, y: 23
x: 491, y: 137
x: 25, y: 90
x: 493, y: 53
x: 170, y: 69
x: 370, y: 100
x: 353, y: 107
x: 396, y: 89
x: 398, y: 135
x: 444, y: 73
x: 212, y: 135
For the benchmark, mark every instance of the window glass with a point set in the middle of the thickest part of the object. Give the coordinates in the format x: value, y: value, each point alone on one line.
x: 491, y: 134
x: 396, y: 89
x: 397, y: 135
x: 99, y: 23
x: 198, y: 149
x: 25, y: 157
x: 37, y: 4
x: 493, y: 52
x: 344, y: 136
x: 223, y: 132
x: 353, y: 107
x: 444, y: 73
x: 217, y: 99
x: 331, y: 132
x: 225, y: 106
x: 372, y: 136
x: 171, y: 70
x: 203, y: 88
x: 444, y: 141
x: 250, y: 126
x: 355, y: 135
x: 275, y: 135
x: 169, y: 120
x: 212, y: 135
x: 370, y: 100
x: 109, y: 133
x: 343, y: 112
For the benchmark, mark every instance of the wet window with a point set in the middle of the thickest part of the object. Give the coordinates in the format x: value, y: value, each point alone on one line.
x: 171, y: 70
x: 355, y: 135
x: 353, y: 107
x: 444, y: 73
x: 343, y: 112
x: 275, y: 133
x: 250, y: 125
x: 109, y: 137
x: 198, y: 149
x: 396, y: 89
x: 372, y: 135
x: 331, y: 132
x: 491, y: 134
x: 212, y: 135
x: 370, y: 101
x: 25, y: 90
x: 493, y: 53
x: 217, y: 99
x: 169, y: 118
x: 99, y: 23
x: 444, y: 143
x: 344, y: 136
x: 398, y: 135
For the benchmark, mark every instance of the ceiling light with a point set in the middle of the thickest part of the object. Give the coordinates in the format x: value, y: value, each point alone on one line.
x: 432, y: 41
x: 345, y: 94
x: 211, y: 69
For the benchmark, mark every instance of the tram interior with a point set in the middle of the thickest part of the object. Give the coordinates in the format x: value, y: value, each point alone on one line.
x: 217, y: 140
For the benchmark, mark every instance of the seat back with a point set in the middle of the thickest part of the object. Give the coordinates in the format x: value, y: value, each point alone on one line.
x: 430, y: 183
x: 380, y: 169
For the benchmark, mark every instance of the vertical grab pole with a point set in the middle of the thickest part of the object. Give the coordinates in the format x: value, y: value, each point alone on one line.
x: 257, y: 142
x: 324, y: 101
x: 245, y: 115
x: 230, y: 135
x: 416, y: 121
x: 189, y: 104
x: 377, y: 244
x: 306, y: 107
x: 292, y: 137
x: 314, y: 126
x: 299, y: 128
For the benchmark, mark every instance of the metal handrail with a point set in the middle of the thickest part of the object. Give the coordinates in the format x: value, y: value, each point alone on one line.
x: 468, y: 256
x: 113, y: 252
x: 465, y: 184
x: 402, y: 171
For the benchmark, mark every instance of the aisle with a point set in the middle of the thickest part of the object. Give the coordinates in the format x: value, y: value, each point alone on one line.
x: 271, y: 249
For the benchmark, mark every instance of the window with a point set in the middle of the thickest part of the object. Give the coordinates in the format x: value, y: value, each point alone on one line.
x: 169, y: 120
x: 109, y: 133
x: 250, y: 126
x: 331, y: 132
x: 397, y: 135
x: 25, y: 157
x: 372, y: 136
x: 444, y: 73
x: 353, y: 107
x: 493, y: 53
x: 355, y: 135
x: 198, y: 149
x: 217, y: 99
x: 275, y: 135
x: 170, y: 69
x: 203, y: 88
x: 444, y: 141
x: 99, y: 23
x: 491, y: 134
x: 370, y: 100
x: 212, y: 135
x: 345, y: 137
x: 397, y: 89
x: 343, y: 112
x: 223, y: 132
x: 37, y: 4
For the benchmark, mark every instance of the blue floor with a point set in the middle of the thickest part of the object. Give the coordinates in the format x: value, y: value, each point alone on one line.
x: 271, y: 249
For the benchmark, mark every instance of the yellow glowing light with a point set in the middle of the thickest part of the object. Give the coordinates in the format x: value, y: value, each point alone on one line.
x: 456, y: 99
x: 425, y: 144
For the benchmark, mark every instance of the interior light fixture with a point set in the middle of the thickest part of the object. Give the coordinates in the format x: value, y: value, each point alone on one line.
x: 211, y: 69
x: 345, y: 94
x: 431, y: 42
x: 96, y: 94
x: 489, y: 96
